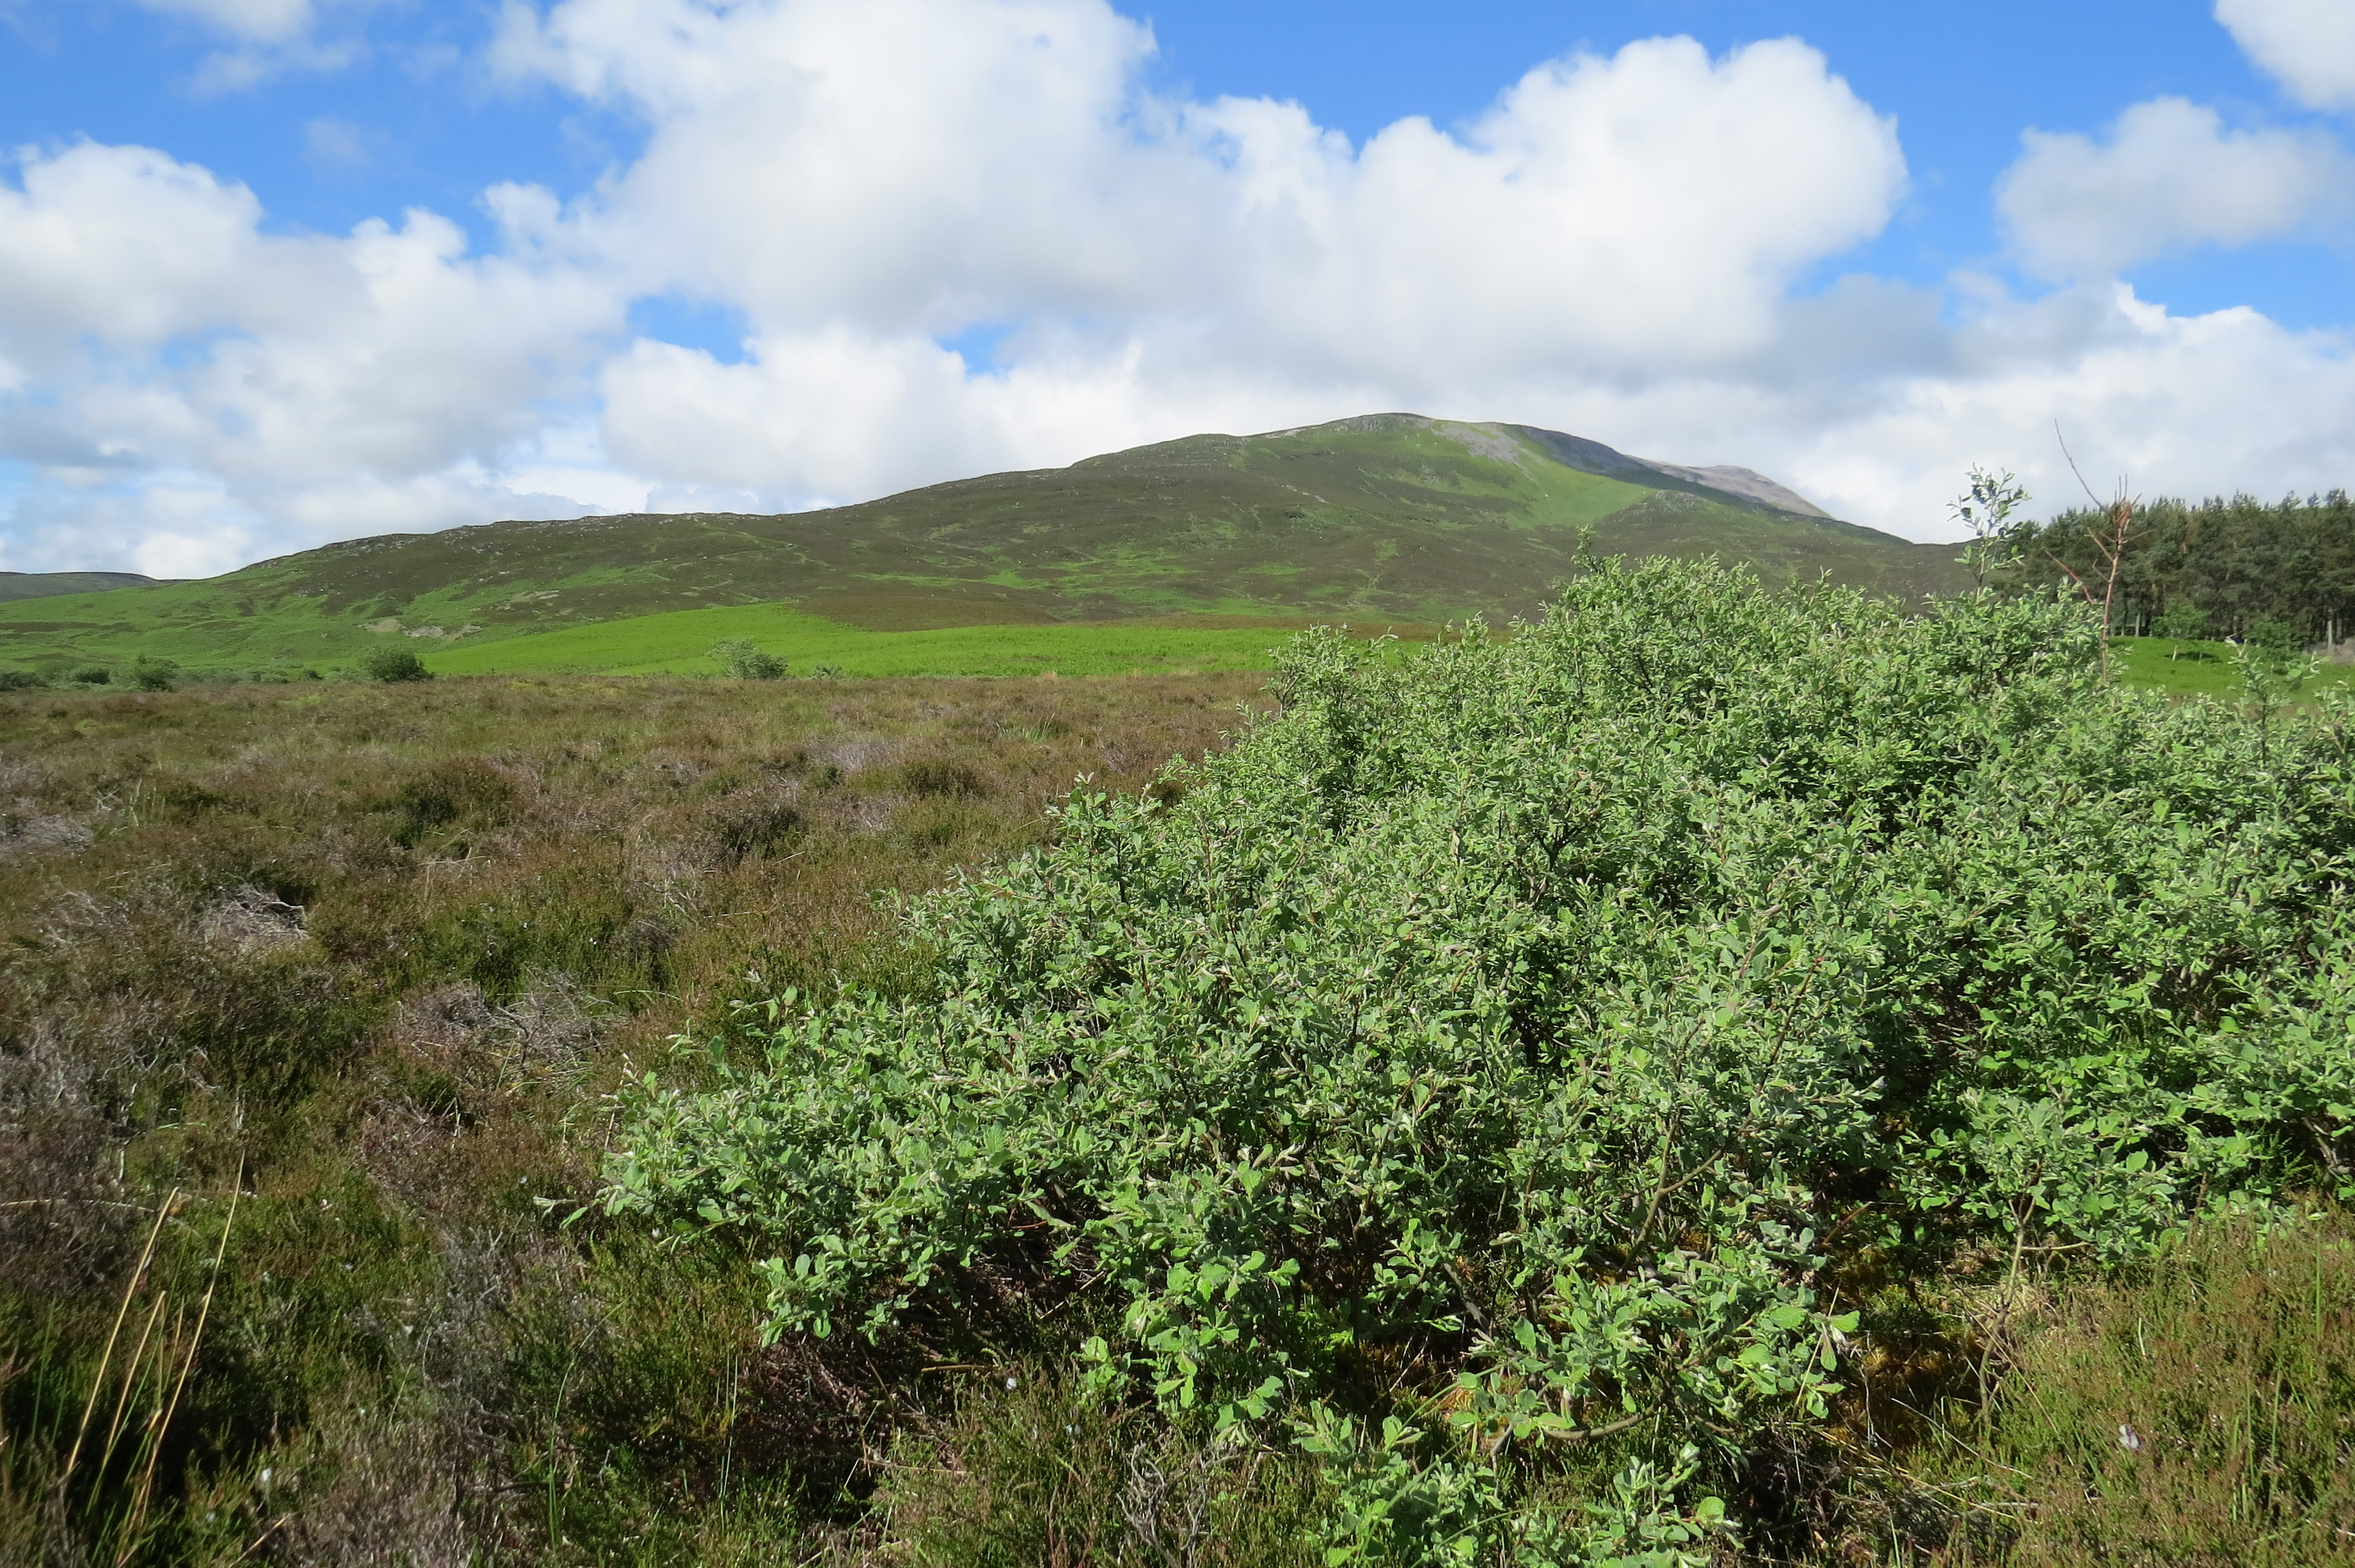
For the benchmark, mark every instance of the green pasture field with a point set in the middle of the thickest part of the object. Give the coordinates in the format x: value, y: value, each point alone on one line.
x: 2202, y: 669
x: 679, y: 642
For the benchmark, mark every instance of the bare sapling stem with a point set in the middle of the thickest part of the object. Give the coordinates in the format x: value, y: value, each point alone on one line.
x: 2110, y: 544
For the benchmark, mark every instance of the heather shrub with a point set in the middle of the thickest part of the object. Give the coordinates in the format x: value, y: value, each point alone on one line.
x: 946, y: 777
x: 1480, y: 1081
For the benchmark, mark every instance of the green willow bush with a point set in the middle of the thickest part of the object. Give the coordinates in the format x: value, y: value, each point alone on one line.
x: 1481, y: 1074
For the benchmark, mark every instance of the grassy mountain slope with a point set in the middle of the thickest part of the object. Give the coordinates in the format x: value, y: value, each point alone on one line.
x: 1386, y: 517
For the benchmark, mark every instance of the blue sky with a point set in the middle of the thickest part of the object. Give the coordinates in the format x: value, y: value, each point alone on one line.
x: 705, y: 282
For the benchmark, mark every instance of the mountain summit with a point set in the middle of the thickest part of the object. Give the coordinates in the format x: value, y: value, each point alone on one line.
x: 1721, y: 481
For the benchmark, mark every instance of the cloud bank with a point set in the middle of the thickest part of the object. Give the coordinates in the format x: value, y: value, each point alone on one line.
x: 2307, y: 45
x: 1617, y: 248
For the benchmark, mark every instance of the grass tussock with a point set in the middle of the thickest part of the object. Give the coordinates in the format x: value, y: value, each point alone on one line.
x: 2201, y: 1413
x: 1028, y: 1470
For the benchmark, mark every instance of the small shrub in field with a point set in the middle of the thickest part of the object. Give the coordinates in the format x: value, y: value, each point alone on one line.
x: 155, y: 675
x: 91, y: 675
x: 744, y: 660
x: 1475, y: 1081
x: 21, y: 680
x: 2274, y: 636
x: 393, y: 665
x: 2182, y: 623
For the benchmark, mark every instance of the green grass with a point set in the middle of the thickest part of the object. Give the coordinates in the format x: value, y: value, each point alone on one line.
x: 2202, y: 669
x: 679, y: 642
x: 2226, y: 1361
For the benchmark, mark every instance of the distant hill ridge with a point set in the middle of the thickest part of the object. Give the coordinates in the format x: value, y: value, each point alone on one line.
x: 49, y: 585
x: 1380, y: 518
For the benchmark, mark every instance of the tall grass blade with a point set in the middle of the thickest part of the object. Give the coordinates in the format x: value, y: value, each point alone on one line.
x: 129, y: 1290
x: 155, y: 1442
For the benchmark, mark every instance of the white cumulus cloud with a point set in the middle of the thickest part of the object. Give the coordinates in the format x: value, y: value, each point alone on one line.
x: 807, y: 165
x: 2172, y: 405
x: 2170, y: 175
x: 264, y: 38
x: 2307, y: 45
x: 157, y: 333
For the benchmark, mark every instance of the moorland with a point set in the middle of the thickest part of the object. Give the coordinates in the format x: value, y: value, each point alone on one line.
x: 1733, y: 1068
x: 375, y: 956
x: 1798, y: 1091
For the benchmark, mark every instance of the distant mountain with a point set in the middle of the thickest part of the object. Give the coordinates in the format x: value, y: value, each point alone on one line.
x: 48, y: 585
x: 1388, y: 517
x: 1721, y: 483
